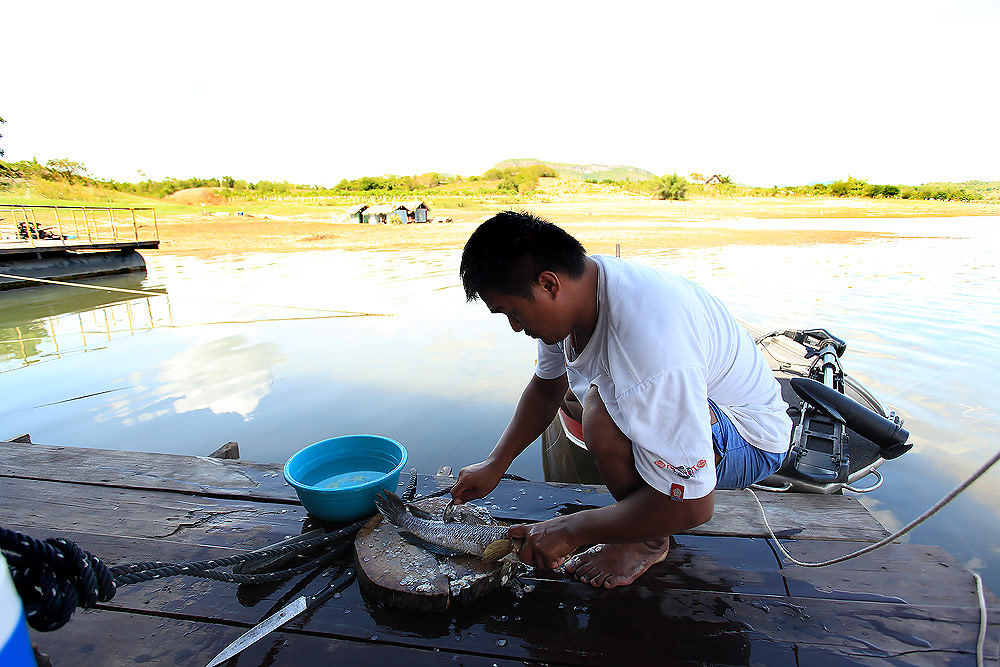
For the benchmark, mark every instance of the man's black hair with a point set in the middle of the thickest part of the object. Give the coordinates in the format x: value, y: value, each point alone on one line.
x: 509, y: 251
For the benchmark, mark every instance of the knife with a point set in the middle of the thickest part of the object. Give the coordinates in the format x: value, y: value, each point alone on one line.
x: 275, y: 621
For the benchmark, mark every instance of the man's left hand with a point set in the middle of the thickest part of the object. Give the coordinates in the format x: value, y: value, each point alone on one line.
x: 547, y: 544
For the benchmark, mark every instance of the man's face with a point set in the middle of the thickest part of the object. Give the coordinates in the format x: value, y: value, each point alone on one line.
x: 537, y: 318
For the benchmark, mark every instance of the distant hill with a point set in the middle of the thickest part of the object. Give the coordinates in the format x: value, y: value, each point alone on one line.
x: 585, y: 172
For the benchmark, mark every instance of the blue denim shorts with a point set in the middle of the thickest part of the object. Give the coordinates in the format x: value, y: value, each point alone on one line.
x: 741, y: 464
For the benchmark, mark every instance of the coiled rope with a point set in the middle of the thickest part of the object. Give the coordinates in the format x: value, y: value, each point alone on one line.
x: 55, y: 576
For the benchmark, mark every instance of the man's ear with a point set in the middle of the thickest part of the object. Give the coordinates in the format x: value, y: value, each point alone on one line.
x: 550, y: 283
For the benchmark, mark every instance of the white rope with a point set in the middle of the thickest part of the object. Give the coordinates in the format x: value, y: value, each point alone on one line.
x: 899, y: 533
x: 981, y: 642
x: 149, y: 293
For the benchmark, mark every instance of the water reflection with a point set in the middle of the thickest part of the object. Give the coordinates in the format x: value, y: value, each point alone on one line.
x: 53, y: 321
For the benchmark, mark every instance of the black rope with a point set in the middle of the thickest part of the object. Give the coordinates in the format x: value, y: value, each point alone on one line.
x: 55, y: 576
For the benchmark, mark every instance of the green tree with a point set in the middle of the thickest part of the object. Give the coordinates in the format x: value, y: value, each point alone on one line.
x: 670, y: 186
x: 67, y: 169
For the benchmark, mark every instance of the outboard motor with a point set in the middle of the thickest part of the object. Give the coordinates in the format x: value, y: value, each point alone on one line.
x: 889, y: 435
x: 820, y: 449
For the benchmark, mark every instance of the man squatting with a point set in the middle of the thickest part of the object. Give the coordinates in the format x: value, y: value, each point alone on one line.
x: 674, y: 397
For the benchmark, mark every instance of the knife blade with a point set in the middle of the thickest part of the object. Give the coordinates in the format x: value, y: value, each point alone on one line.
x: 275, y: 621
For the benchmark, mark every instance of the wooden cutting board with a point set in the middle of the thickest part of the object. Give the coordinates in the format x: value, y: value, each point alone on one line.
x: 401, y: 575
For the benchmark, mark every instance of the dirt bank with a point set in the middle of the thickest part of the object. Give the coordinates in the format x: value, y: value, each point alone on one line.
x: 636, y: 224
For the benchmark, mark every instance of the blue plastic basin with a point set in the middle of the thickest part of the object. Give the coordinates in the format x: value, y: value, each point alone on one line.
x: 337, y: 479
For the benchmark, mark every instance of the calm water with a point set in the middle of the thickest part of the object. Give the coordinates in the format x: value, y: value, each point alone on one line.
x: 252, y: 349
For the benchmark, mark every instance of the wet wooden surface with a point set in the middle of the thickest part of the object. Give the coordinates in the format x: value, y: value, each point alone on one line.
x: 802, y: 516
x: 717, y: 598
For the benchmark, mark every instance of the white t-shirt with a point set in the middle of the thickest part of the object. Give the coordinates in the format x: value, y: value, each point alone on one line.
x: 661, y: 348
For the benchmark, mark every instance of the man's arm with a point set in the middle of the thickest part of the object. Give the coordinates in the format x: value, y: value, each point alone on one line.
x: 535, y: 410
x: 645, y: 514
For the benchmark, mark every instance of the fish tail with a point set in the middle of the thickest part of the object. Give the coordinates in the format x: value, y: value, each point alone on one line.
x: 390, y: 506
x: 496, y: 550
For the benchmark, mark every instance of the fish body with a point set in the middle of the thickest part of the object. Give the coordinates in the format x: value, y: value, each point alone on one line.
x: 489, y: 542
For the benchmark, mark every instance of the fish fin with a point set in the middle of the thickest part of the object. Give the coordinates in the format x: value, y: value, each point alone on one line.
x: 496, y: 550
x: 419, y: 513
x: 389, y: 506
x: 428, y: 546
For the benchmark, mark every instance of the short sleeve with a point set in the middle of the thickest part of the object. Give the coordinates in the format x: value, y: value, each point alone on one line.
x: 670, y: 429
x: 551, y: 361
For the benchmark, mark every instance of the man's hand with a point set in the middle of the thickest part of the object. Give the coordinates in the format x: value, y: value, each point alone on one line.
x: 547, y: 544
x: 476, y: 481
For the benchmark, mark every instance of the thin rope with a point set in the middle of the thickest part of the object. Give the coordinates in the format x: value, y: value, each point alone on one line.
x: 899, y: 533
x: 981, y: 641
x: 150, y: 293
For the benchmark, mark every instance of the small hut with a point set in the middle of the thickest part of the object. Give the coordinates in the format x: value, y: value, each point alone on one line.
x: 714, y: 180
x: 378, y: 214
x: 416, y: 211
x: 356, y: 213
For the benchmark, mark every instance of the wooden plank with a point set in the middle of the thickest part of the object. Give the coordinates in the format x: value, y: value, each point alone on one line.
x: 111, y: 638
x: 230, y: 450
x: 165, y: 472
x: 40, y: 508
x: 925, y: 575
x: 568, y: 622
x: 799, y: 516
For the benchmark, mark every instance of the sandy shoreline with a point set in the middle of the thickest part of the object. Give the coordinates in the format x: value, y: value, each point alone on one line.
x: 635, y: 224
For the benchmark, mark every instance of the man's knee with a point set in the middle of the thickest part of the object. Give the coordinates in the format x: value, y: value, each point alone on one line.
x: 571, y: 406
x: 599, y: 429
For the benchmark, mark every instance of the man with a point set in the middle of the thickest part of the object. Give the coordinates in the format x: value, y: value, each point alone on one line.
x: 676, y: 399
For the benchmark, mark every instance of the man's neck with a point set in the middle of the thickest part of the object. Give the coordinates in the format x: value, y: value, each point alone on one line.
x: 587, y: 306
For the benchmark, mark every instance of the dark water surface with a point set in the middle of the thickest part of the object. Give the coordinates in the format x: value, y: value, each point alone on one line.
x: 253, y: 349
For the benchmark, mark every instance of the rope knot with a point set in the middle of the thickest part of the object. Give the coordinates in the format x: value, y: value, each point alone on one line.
x: 54, y: 577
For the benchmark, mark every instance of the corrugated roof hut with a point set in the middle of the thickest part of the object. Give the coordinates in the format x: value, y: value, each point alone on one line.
x: 356, y: 213
x: 378, y: 214
x: 416, y: 211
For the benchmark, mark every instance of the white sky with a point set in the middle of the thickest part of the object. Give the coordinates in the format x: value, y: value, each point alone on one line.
x: 313, y: 92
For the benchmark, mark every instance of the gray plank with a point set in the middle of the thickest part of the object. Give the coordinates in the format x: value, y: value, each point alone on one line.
x: 112, y: 638
x: 140, y: 470
x: 799, y: 516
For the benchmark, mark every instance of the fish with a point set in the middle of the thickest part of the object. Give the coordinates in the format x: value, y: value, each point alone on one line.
x: 454, y: 538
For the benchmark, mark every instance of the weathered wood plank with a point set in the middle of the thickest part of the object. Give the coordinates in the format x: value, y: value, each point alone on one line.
x: 165, y: 472
x: 714, y: 621
x: 799, y: 516
x: 230, y: 450
x: 39, y: 507
x: 111, y: 638
x: 572, y: 623
x: 923, y: 574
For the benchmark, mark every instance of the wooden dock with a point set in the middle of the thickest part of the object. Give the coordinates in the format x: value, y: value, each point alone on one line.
x: 723, y: 596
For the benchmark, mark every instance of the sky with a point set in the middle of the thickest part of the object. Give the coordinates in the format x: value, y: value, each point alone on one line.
x: 768, y: 93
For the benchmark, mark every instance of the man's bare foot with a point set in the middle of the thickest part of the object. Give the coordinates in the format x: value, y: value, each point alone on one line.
x: 611, y: 565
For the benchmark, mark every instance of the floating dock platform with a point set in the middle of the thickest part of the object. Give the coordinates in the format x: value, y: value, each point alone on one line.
x: 72, y: 242
x: 723, y: 595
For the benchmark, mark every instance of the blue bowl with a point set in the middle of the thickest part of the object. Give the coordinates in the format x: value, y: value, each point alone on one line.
x: 337, y: 479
